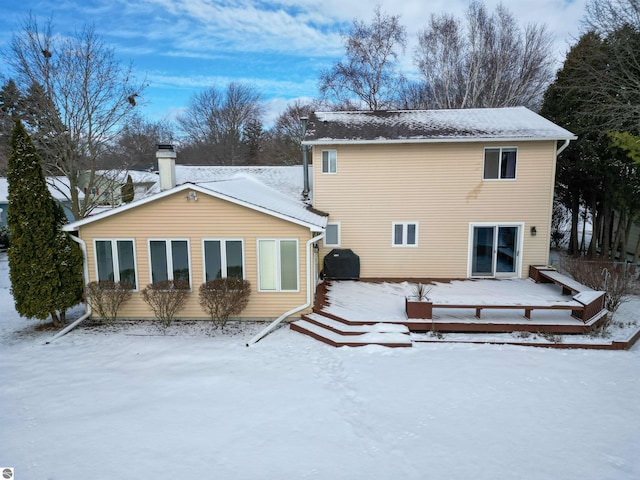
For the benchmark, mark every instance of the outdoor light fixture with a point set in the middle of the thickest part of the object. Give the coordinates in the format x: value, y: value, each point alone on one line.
x: 192, y: 196
x: 533, y: 231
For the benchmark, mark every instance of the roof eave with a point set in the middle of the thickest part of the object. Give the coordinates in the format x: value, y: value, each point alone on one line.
x: 328, y: 141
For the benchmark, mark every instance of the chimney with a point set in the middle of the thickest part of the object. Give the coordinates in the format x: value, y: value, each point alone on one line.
x: 305, y: 160
x: 166, y: 166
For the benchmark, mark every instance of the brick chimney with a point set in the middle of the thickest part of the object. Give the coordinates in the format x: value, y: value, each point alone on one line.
x: 166, y: 156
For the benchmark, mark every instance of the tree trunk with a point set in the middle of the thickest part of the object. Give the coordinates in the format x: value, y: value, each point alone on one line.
x: 596, y: 220
x: 575, y: 218
x: 57, y: 320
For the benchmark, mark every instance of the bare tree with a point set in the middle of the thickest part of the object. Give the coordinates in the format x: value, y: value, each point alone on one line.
x: 80, y: 94
x: 485, y: 61
x: 368, y: 75
x: 219, y: 119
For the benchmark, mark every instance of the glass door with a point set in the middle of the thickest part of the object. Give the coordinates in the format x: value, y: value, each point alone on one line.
x: 494, y: 251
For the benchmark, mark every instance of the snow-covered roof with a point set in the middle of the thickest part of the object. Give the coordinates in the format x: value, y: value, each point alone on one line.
x: 137, y: 176
x: 285, y: 179
x: 243, y: 190
x: 58, y: 187
x: 417, y: 126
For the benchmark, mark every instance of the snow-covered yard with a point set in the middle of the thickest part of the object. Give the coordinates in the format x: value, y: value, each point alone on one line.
x: 130, y: 402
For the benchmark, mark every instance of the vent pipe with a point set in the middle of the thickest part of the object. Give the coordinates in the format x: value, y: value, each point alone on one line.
x: 305, y: 160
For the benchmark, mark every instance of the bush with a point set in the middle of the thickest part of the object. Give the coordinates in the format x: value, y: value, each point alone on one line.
x: 107, y: 297
x: 615, y: 279
x: 224, y: 297
x: 166, y: 298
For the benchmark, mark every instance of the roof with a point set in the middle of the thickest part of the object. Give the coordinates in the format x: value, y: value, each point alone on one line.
x: 137, y: 176
x: 284, y: 179
x: 242, y: 190
x: 428, y: 126
x: 58, y: 187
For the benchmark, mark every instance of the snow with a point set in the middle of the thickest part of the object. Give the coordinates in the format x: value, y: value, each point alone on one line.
x: 131, y: 401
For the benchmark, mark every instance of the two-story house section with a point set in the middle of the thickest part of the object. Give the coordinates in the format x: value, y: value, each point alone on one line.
x: 437, y: 193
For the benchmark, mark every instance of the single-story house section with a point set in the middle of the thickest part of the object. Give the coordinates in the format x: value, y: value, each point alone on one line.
x: 237, y: 227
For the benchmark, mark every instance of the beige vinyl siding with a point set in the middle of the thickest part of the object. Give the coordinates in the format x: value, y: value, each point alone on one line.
x: 440, y: 186
x: 173, y: 217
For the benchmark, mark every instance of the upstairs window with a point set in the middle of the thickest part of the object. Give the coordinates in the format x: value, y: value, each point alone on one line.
x: 329, y: 161
x: 405, y: 234
x: 500, y: 163
x: 332, y: 236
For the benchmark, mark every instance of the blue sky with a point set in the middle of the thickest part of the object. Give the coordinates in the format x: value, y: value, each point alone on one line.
x: 184, y: 46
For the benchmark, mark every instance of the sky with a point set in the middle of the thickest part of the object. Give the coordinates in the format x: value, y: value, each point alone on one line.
x: 181, y: 47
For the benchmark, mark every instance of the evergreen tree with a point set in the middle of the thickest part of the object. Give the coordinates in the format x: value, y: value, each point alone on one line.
x: 128, y: 191
x: 45, y: 266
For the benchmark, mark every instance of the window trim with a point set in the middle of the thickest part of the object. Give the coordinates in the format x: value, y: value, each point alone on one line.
x: 324, y: 240
x: 223, y: 258
x: 170, y: 257
x: 114, y: 258
x: 335, y: 164
x: 499, y: 178
x: 405, y: 226
x: 278, y: 264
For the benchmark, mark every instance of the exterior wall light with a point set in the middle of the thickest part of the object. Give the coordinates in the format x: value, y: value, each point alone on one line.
x: 533, y: 231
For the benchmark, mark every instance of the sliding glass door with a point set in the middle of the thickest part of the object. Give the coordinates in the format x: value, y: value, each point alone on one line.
x: 495, y: 250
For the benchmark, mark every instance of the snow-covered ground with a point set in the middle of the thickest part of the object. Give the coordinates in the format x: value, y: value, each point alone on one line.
x: 131, y: 402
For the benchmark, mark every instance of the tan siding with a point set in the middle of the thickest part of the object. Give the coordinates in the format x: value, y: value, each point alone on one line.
x: 440, y: 186
x: 175, y: 218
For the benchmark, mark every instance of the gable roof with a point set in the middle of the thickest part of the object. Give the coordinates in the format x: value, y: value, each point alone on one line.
x: 242, y: 190
x: 428, y: 126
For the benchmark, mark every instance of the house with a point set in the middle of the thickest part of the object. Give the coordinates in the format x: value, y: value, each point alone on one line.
x: 58, y: 187
x: 415, y: 194
x: 105, y: 186
x: 437, y: 194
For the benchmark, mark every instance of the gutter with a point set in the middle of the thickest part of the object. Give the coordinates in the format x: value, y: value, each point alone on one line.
x: 85, y: 274
x: 279, y: 320
x: 562, y: 147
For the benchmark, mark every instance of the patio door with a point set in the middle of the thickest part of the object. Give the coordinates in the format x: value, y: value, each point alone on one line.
x: 495, y: 250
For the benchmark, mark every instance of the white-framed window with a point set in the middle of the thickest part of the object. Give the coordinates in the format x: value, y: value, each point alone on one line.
x: 169, y: 260
x: 223, y: 258
x: 278, y: 265
x: 116, y: 260
x: 405, y: 234
x: 500, y: 163
x: 332, y: 235
x: 329, y: 161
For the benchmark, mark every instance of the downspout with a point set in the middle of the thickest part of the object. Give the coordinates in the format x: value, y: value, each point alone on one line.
x: 562, y: 147
x: 310, y: 281
x: 85, y: 274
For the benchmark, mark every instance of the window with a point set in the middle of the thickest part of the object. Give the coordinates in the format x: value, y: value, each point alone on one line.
x: 278, y: 265
x: 115, y: 261
x: 405, y: 234
x: 223, y: 258
x: 329, y: 161
x: 169, y: 260
x: 332, y: 236
x: 500, y: 163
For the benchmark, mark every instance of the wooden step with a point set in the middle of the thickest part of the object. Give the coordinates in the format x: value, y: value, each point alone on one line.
x: 351, y: 339
x: 330, y: 323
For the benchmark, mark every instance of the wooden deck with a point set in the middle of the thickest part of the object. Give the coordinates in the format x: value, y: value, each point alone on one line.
x: 582, y: 310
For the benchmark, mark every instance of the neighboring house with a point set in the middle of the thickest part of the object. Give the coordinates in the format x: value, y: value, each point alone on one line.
x: 106, y: 187
x: 438, y: 194
x: 58, y: 187
x: 416, y: 194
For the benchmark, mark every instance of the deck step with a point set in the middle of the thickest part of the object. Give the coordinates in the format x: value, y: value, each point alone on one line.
x: 331, y: 334
x: 353, y: 329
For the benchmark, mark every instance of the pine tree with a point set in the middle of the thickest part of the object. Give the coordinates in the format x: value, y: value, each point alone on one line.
x: 128, y: 191
x: 45, y: 266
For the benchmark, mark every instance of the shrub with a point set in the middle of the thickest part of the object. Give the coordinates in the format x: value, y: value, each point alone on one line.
x: 224, y: 297
x: 615, y: 279
x: 107, y: 297
x: 166, y: 298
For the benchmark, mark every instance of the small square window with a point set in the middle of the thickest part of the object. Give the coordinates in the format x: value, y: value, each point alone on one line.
x: 332, y: 237
x: 405, y: 234
x: 500, y: 163
x: 329, y: 161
